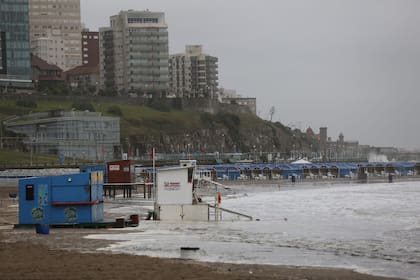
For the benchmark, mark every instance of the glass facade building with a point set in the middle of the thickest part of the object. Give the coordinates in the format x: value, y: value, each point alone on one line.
x: 15, y: 58
x: 84, y: 135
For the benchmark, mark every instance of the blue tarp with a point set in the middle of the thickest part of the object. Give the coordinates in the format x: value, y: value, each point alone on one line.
x: 233, y: 170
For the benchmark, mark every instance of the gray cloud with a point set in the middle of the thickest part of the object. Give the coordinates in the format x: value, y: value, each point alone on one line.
x: 352, y: 65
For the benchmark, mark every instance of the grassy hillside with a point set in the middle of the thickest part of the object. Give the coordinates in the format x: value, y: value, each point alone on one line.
x: 175, y: 131
x: 134, y: 119
x: 24, y: 158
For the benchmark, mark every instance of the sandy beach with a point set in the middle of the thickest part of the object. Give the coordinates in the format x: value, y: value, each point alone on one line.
x: 65, y: 254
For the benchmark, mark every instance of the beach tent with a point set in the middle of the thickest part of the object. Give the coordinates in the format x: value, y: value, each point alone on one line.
x: 346, y: 169
x: 301, y: 161
x: 233, y: 172
x: 404, y: 168
x: 417, y: 168
x: 288, y: 170
x: 310, y: 171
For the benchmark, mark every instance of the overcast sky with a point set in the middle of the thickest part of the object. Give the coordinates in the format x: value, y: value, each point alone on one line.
x: 350, y: 65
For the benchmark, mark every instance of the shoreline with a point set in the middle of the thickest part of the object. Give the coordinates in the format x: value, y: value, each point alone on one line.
x: 317, y: 181
x: 67, y: 254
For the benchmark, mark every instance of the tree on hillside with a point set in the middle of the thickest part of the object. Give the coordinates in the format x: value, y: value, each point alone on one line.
x: 115, y: 110
x: 26, y: 103
x: 83, y: 106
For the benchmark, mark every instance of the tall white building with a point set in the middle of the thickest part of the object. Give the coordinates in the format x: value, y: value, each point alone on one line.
x: 133, y: 53
x: 193, y: 74
x: 50, y: 48
x: 56, y: 23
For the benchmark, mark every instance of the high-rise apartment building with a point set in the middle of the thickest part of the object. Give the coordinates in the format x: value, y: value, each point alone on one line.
x: 56, y: 22
x: 134, y: 53
x: 50, y: 48
x: 90, y: 48
x: 15, y: 57
x: 193, y: 74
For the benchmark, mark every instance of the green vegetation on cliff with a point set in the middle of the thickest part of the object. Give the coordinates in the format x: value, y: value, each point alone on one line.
x: 171, y: 130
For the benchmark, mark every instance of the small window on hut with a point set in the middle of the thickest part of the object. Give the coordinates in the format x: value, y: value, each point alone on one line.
x: 29, y: 192
x: 190, y: 174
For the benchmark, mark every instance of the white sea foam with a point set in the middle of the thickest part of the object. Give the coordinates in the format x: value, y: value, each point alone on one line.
x: 373, y: 228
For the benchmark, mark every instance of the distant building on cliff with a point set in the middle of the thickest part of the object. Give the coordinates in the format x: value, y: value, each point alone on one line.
x: 44, y: 74
x: 340, y: 150
x: 134, y: 52
x: 193, y: 74
x: 50, y: 48
x: 84, y: 77
x: 229, y: 96
x: 90, y: 47
x: 73, y: 134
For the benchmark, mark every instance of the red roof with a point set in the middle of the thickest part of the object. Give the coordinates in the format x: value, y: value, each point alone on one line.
x: 83, y: 69
x: 309, y: 131
x: 43, y: 65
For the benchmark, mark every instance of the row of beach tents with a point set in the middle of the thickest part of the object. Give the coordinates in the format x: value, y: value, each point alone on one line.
x: 306, y: 170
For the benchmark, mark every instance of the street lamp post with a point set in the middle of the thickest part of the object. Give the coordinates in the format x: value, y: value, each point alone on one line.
x: 1, y: 135
x: 96, y: 146
x: 31, y: 153
x: 30, y: 163
x: 310, y: 152
x: 294, y: 152
x: 223, y: 143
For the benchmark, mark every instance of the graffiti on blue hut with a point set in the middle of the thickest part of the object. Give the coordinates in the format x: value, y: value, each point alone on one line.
x: 73, y: 198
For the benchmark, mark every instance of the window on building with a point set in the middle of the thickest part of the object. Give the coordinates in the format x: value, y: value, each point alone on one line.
x: 29, y: 192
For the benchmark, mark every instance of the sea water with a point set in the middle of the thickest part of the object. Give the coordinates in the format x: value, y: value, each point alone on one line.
x: 372, y: 228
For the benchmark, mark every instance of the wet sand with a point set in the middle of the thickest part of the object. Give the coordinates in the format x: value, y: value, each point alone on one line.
x: 65, y: 254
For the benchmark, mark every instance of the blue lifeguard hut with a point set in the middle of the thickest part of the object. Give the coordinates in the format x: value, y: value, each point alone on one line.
x: 63, y: 199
